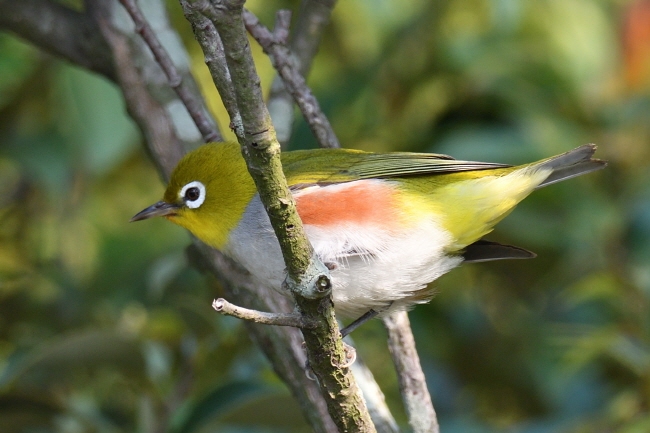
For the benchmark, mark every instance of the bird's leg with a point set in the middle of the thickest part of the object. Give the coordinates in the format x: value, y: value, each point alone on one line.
x: 370, y: 314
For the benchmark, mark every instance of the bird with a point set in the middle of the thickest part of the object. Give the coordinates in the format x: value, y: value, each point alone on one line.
x: 385, y: 224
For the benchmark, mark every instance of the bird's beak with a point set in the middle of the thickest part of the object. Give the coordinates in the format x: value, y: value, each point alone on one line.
x: 162, y: 208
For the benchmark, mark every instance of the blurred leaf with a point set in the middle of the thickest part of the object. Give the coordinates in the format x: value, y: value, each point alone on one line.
x: 632, y: 353
x: 587, y: 345
x: 597, y: 286
x: 641, y: 425
x: 61, y: 358
x: 92, y: 119
x: 159, y: 360
x: 20, y: 412
x: 277, y: 411
x: 217, y: 403
x: 17, y: 61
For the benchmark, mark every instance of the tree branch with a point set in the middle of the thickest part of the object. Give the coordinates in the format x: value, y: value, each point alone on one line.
x: 306, y: 275
x: 282, y: 346
x: 412, y: 383
x: 59, y: 30
x: 307, y: 278
x: 313, y: 17
x: 294, y: 82
x: 197, y: 13
x: 277, y: 319
x: 195, y: 107
x: 162, y: 142
x: 135, y: 73
x: 375, y: 399
x: 215, y: 59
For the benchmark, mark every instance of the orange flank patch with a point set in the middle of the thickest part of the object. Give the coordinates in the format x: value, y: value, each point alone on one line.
x: 369, y: 202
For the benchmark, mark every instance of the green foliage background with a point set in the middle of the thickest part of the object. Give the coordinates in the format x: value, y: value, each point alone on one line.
x: 105, y: 327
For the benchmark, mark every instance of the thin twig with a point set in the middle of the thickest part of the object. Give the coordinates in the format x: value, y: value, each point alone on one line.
x: 312, y: 19
x: 283, y: 346
x: 281, y: 27
x: 278, y: 319
x: 198, y: 14
x: 140, y: 95
x: 196, y: 109
x: 412, y: 383
x: 294, y: 82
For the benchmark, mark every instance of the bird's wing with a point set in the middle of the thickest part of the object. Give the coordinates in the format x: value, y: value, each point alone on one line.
x: 325, y: 166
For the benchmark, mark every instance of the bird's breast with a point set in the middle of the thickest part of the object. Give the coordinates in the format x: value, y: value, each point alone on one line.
x: 380, y: 244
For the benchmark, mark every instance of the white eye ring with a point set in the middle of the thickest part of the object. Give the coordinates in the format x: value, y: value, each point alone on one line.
x: 195, y: 202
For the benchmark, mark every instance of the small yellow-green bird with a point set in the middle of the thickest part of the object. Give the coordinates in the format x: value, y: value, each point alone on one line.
x: 385, y: 224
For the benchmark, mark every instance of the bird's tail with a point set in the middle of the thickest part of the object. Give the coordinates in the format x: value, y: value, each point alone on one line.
x: 573, y: 163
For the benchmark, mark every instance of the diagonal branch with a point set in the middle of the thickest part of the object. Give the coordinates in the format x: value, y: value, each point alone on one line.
x: 195, y: 107
x: 313, y: 17
x: 282, y: 346
x: 307, y: 278
x: 293, y: 80
x: 59, y: 30
x: 262, y: 153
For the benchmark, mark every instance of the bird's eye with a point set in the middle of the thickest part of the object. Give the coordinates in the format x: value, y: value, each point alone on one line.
x: 193, y: 194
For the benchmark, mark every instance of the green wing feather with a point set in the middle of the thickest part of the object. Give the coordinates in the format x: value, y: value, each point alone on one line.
x: 305, y: 167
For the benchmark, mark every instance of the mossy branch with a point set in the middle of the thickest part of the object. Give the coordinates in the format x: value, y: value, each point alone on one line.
x: 307, y: 277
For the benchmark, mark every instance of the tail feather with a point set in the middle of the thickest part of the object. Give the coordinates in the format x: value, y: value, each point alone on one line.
x: 485, y: 251
x: 571, y: 164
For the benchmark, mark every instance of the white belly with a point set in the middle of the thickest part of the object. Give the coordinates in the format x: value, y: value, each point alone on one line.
x: 370, y: 267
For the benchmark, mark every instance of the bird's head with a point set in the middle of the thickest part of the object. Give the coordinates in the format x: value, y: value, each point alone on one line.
x: 207, y: 194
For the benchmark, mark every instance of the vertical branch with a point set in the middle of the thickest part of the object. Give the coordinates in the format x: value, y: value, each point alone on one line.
x: 307, y: 277
x: 412, y: 383
x: 135, y: 76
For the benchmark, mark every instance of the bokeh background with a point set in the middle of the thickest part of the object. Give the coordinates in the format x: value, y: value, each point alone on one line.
x: 106, y: 327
